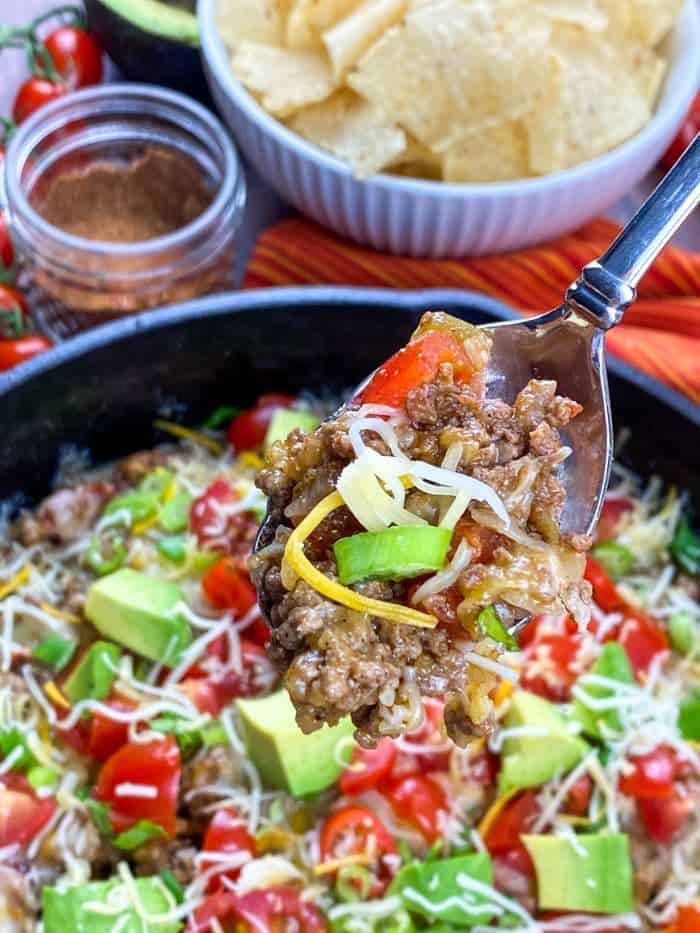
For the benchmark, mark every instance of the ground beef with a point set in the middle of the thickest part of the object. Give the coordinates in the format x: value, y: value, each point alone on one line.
x: 65, y: 515
x: 339, y: 662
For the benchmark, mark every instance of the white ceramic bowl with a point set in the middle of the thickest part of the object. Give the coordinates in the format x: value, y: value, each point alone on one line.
x: 429, y: 218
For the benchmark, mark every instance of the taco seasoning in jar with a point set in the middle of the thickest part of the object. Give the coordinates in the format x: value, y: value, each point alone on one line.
x: 121, y: 198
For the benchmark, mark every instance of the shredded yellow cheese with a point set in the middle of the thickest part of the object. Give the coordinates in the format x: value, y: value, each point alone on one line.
x: 177, y: 430
x: 14, y: 583
x: 494, y: 811
x: 503, y: 692
x: 60, y: 614
x: 360, y: 858
x: 250, y: 459
x: 55, y: 695
x: 296, y: 560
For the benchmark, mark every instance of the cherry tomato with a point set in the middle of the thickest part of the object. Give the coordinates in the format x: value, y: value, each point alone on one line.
x: 579, y: 797
x: 652, y: 775
x: 642, y: 638
x: 686, y: 134
x: 7, y: 252
x: 370, y: 766
x: 687, y: 919
x: 265, y: 911
x: 503, y: 835
x: 22, y: 813
x: 227, y: 586
x: 247, y: 431
x: 614, y: 509
x: 663, y: 819
x: 348, y: 832
x: 557, y: 654
x: 76, y: 55
x: 414, y: 365
x: 227, y: 833
x: 421, y: 801
x: 211, y: 692
x: 106, y: 735
x: 154, y: 764
x: 14, y: 352
x: 604, y: 592
x: 33, y: 94
x: 219, y: 528
x: 14, y: 312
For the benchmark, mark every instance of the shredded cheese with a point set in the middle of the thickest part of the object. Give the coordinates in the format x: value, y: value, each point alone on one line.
x: 55, y: 695
x: 14, y: 583
x: 177, y: 430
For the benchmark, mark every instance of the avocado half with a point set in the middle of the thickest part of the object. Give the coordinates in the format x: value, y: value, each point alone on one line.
x: 152, y: 41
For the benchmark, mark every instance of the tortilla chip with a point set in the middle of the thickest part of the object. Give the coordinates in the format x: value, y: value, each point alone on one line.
x: 309, y: 18
x: 351, y: 37
x: 598, y: 97
x: 352, y: 129
x: 452, y: 65
x: 496, y: 153
x: 283, y: 80
x: 250, y: 21
x: 645, y: 22
x: 585, y: 13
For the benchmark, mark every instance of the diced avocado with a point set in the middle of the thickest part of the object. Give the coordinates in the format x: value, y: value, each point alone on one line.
x: 285, y: 757
x: 285, y: 420
x: 174, y: 516
x: 94, y: 673
x: 66, y: 911
x: 612, y: 663
x: 139, y: 612
x: 545, y: 751
x: 439, y: 890
x: 591, y: 873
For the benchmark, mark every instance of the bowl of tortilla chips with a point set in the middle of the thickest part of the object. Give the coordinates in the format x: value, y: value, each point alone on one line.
x: 452, y: 127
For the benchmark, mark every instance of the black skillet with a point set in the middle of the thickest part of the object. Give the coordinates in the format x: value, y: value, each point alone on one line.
x: 102, y: 390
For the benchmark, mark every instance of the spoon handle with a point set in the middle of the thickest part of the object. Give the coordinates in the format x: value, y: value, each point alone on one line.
x: 607, y: 286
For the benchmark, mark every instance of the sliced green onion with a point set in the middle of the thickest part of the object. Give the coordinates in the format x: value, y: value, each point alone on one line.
x: 393, y: 554
x: 173, y: 885
x: 685, y: 548
x: 617, y: 559
x: 173, y: 548
x: 94, y: 673
x: 683, y: 630
x: 55, y: 651
x: 140, y: 504
x: 689, y: 717
x: 492, y: 626
x: 139, y: 834
x: 99, y: 814
x: 174, y: 516
x: 354, y: 882
x: 221, y: 416
x: 14, y: 743
x: 157, y: 481
x: 40, y: 776
x: 102, y: 563
x: 190, y: 740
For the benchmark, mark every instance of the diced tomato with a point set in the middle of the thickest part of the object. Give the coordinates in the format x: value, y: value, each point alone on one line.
x: 482, y: 541
x: 228, y: 586
x: 545, y: 625
x: 503, y: 835
x: 549, y: 666
x: 22, y: 813
x: 414, y: 365
x: 266, y: 911
x: 653, y: 775
x: 642, y: 638
x: 687, y: 919
x: 212, y: 691
x: 579, y: 797
x: 421, y: 801
x: 206, y: 520
x: 14, y: 352
x: 484, y: 767
x: 227, y: 833
x: 370, y: 766
x: 247, y: 431
x: 106, y: 735
x: 604, y: 592
x: 663, y: 819
x: 613, y: 511
x: 153, y: 764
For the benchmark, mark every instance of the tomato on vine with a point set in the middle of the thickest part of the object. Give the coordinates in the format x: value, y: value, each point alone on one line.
x: 76, y: 55
x: 32, y: 95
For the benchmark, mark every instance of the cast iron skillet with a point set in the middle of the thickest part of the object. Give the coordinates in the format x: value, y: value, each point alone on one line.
x: 102, y: 390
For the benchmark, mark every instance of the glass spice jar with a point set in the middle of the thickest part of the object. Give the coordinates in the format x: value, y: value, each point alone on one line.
x: 121, y: 198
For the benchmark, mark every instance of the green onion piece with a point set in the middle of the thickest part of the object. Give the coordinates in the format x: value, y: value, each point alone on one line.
x: 173, y: 885
x: 14, y: 743
x: 492, y: 626
x: 101, y: 563
x: 689, y: 717
x: 354, y: 882
x: 393, y: 554
x: 39, y: 776
x: 612, y: 663
x: 685, y: 548
x: 94, y: 674
x: 140, y: 504
x: 221, y: 416
x: 617, y: 559
x: 683, y: 630
x: 137, y: 835
x: 98, y: 811
x: 405, y: 852
x: 157, y: 481
x: 174, y: 516
x: 190, y: 740
x: 172, y: 548
x: 55, y: 651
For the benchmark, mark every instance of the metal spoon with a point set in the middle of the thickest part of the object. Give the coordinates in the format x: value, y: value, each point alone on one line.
x: 567, y: 344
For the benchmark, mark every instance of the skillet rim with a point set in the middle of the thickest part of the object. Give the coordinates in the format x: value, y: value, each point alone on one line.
x: 317, y: 298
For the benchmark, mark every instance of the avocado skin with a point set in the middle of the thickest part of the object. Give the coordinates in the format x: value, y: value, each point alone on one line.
x: 146, y: 56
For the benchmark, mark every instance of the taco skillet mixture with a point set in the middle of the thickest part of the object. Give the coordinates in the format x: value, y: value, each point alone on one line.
x: 153, y: 777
